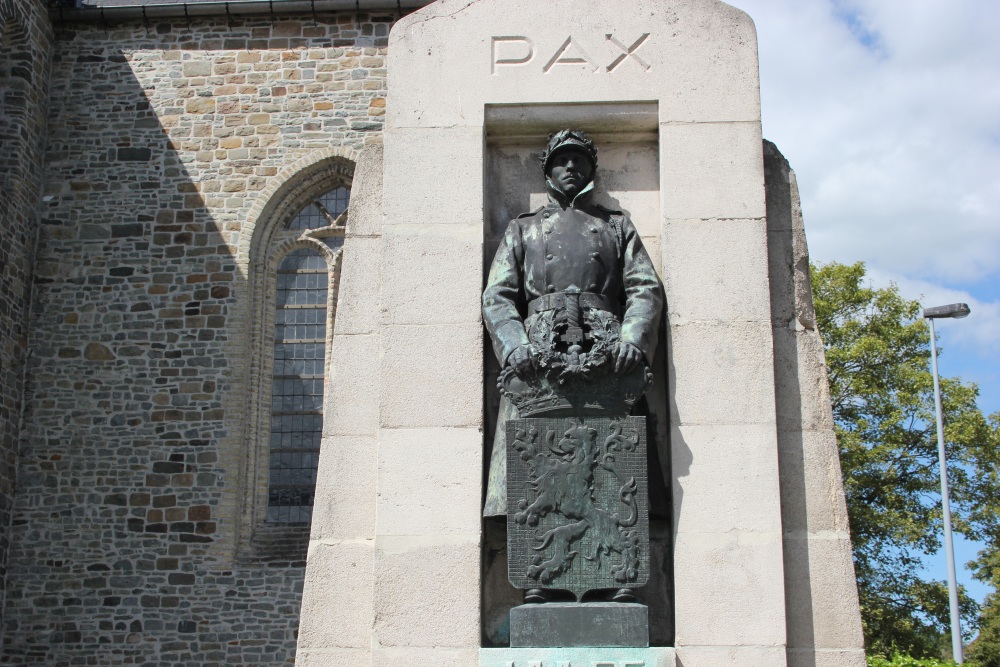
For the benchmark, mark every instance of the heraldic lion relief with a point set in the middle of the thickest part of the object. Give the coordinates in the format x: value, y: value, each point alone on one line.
x: 582, y: 494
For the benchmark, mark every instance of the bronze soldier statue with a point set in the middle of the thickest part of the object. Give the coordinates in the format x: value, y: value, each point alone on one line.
x: 572, y: 305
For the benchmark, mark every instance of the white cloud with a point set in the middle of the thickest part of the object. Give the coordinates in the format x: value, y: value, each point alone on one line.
x: 980, y: 331
x: 889, y: 111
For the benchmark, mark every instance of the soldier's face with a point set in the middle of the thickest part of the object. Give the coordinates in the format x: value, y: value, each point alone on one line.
x: 570, y: 170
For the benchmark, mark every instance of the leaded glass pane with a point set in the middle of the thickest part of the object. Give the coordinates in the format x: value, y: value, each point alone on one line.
x: 303, y: 258
x: 323, y: 212
x: 296, y: 431
x: 300, y: 323
x: 298, y: 359
x: 297, y: 385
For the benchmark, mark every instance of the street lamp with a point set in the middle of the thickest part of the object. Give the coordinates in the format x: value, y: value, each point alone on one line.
x: 956, y: 311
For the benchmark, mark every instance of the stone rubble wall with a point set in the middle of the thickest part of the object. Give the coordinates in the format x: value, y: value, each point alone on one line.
x: 165, y: 140
x: 25, y: 58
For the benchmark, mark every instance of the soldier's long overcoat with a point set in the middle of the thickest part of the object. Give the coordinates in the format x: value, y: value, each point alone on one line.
x: 565, y: 246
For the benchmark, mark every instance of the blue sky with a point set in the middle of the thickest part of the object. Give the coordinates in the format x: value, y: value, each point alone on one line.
x: 889, y: 112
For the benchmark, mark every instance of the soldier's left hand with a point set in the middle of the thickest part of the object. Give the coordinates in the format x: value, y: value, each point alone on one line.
x: 628, y: 356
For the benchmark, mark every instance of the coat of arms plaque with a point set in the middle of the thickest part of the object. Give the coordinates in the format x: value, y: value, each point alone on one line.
x: 578, y: 513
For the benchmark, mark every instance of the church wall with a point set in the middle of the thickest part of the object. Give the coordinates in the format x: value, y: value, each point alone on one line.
x: 25, y: 54
x: 165, y: 142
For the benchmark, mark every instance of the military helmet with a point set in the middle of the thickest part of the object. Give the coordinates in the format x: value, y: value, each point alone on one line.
x: 564, y: 139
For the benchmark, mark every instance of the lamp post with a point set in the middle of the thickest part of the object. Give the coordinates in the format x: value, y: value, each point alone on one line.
x: 957, y: 311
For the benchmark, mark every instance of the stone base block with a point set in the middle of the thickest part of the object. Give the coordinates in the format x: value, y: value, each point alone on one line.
x: 579, y: 624
x: 577, y: 657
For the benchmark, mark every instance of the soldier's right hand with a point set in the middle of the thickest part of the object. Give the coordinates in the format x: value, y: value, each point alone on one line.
x: 523, y: 360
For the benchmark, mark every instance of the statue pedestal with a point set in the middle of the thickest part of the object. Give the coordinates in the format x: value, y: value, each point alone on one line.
x: 577, y: 657
x: 557, y: 624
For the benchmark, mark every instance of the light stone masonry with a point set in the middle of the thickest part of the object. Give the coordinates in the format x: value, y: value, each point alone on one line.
x: 473, y: 84
x: 820, y: 585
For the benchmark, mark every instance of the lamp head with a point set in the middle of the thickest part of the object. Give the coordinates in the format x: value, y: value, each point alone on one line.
x: 952, y: 310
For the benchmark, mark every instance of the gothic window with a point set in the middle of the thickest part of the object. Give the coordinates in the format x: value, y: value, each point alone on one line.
x: 294, y: 268
x: 302, y: 299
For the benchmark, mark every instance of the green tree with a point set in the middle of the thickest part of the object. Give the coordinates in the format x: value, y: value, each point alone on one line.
x: 985, y: 651
x: 902, y: 660
x: 878, y: 358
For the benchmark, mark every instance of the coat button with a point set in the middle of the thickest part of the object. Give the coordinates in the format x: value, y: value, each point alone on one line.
x: 548, y: 256
x: 591, y: 287
x: 593, y: 230
x: 595, y: 255
x: 551, y: 288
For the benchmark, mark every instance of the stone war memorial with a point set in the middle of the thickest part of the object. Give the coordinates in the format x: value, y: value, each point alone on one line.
x: 634, y: 464
x: 379, y: 333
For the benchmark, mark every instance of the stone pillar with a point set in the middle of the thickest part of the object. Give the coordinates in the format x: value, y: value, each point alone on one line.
x: 335, y: 626
x: 821, y: 594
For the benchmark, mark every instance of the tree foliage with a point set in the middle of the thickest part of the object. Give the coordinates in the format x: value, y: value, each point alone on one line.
x: 903, y: 660
x: 878, y: 359
x: 985, y: 651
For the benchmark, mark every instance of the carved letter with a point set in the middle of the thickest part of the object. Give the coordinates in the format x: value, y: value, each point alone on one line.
x: 633, y: 663
x: 520, y: 60
x: 628, y: 52
x: 561, y: 57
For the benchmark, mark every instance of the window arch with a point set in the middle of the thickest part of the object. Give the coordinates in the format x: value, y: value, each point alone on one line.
x: 295, y: 268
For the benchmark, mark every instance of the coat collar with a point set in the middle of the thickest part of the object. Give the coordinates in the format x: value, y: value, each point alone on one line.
x: 558, y: 198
